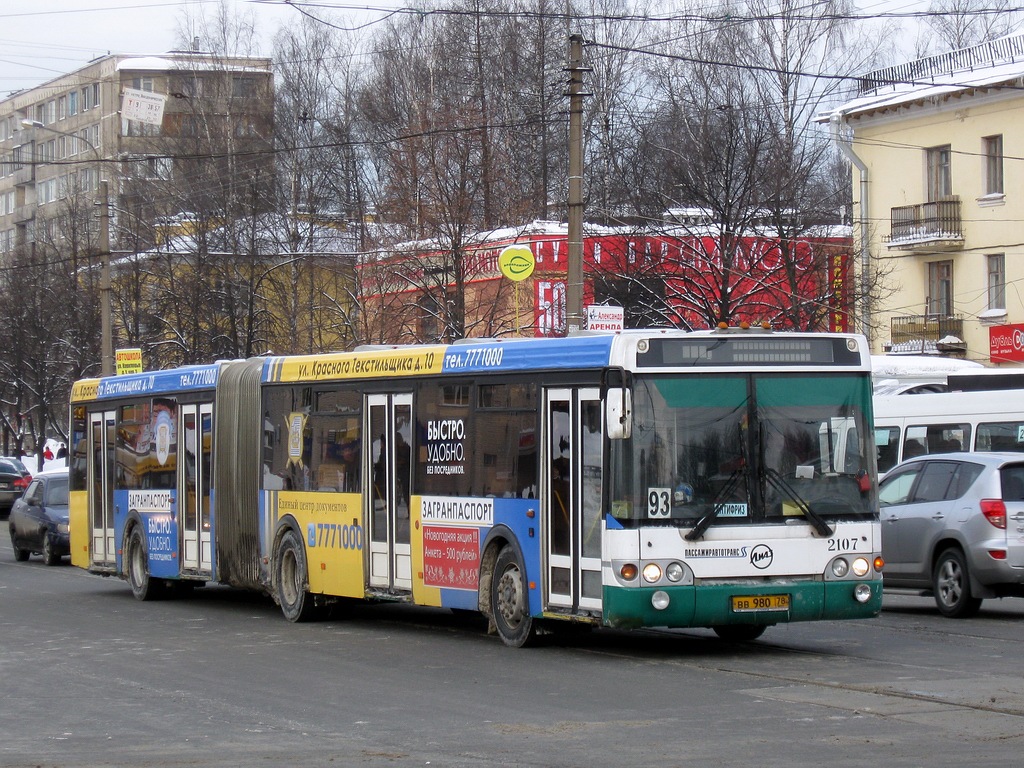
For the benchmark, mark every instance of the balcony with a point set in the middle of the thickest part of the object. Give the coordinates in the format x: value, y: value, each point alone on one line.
x: 935, y: 225
x: 24, y: 214
x: 26, y: 174
x: 928, y: 334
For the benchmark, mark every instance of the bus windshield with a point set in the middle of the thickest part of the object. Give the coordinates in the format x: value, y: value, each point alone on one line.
x: 741, y: 449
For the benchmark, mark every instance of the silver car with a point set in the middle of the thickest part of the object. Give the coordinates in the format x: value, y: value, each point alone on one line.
x: 953, y: 526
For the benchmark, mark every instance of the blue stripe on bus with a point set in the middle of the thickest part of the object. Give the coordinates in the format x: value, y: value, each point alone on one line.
x: 186, y: 379
x: 528, y: 355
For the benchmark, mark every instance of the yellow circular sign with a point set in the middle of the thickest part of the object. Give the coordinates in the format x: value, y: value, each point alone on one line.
x: 516, y: 262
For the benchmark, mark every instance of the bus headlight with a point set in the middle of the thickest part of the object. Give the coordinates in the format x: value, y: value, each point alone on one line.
x: 840, y: 567
x: 861, y: 566
x: 862, y: 592
x: 660, y: 600
x: 652, y: 573
x: 674, y: 572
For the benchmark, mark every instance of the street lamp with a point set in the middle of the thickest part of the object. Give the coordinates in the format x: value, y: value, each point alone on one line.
x: 107, y: 342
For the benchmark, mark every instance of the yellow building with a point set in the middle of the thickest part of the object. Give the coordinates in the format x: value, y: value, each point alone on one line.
x: 938, y: 201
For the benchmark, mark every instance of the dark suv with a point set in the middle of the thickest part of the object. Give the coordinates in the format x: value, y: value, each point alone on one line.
x: 953, y: 526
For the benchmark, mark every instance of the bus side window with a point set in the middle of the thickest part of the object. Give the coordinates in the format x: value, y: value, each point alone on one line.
x: 887, y: 442
x: 1000, y: 436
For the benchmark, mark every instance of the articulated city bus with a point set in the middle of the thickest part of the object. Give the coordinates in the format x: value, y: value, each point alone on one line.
x: 656, y: 478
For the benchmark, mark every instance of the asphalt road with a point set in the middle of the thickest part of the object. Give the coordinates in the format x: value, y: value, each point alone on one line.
x: 91, y: 677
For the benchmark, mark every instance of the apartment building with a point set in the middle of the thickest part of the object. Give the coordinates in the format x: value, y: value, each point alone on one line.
x: 59, y: 139
x: 939, y: 202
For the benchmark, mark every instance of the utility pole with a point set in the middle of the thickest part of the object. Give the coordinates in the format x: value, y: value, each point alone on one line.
x: 106, y: 338
x: 574, y: 273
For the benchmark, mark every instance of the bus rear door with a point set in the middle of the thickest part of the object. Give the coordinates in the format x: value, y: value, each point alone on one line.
x: 572, y: 490
x: 101, y: 483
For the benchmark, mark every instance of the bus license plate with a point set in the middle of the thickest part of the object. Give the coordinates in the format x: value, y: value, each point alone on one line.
x: 748, y: 603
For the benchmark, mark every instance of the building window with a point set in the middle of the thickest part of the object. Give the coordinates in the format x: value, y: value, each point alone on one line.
x: 88, y: 179
x: 142, y: 83
x: 993, y: 165
x: 940, y: 182
x: 188, y: 86
x: 139, y: 128
x: 189, y: 126
x: 940, y: 288
x: 73, y: 103
x: 158, y: 167
x: 245, y: 128
x: 149, y: 167
x: 46, y: 191
x: 996, y: 281
x: 243, y: 87
x: 62, y: 108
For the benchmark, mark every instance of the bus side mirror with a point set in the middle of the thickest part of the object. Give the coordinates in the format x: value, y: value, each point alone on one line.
x: 618, y: 413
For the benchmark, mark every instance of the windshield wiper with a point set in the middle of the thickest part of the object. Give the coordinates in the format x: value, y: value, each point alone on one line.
x: 717, y: 504
x: 778, y: 483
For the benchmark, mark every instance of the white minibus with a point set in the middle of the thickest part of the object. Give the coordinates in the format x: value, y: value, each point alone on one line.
x: 942, y: 422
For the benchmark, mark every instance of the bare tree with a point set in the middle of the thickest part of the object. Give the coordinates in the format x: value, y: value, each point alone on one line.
x: 954, y: 24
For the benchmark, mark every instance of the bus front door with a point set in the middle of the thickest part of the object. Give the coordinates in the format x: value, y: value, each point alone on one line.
x: 572, y: 491
x: 389, y: 434
x: 194, y: 485
x: 101, y: 485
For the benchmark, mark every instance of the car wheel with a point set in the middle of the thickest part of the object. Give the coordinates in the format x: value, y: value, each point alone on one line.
x: 21, y: 555
x: 951, y: 583
x: 50, y: 556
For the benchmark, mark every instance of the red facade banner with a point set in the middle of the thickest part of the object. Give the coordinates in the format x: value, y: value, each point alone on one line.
x: 1006, y: 343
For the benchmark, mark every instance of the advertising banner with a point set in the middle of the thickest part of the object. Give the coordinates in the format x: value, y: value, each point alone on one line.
x: 1006, y: 343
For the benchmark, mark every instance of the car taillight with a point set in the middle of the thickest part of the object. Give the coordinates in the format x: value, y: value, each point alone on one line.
x: 22, y: 483
x: 994, y: 511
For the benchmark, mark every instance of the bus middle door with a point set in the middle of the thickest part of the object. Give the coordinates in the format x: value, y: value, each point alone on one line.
x: 194, y: 469
x: 389, y: 433
x: 572, y: 491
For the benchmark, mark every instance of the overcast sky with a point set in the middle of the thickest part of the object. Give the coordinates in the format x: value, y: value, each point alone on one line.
x: 41, y: 39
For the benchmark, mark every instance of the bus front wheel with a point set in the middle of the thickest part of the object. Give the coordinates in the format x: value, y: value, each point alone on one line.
x: 144, y: 587
x: 740, y: 633
x: 296, y: 602
x: 509, y: 603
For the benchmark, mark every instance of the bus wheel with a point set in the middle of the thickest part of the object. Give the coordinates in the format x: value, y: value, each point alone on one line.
x: 952, y: 586
x: 296, y: 602
x: 508, y: 600
x: 740, y: 633
x: 143, y: 586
